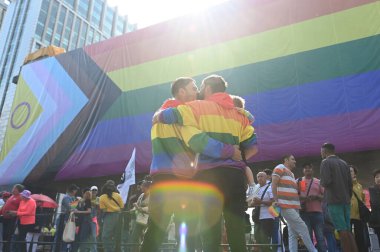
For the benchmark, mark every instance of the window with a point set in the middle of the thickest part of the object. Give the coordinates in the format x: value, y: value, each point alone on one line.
x: 42, y: 19
x: 83, y: 34
x: 59, y: 29
x: 83, y: 8
x: 96, y: 13
x: 74, y: 37
x: 90, y: 36
x: 67, y: 30
x: 120, y: 23
x: 108, y: 21
x: 51, y: 23
x: 69, y: 3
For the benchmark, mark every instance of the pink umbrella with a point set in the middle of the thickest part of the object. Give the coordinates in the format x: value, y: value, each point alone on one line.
x: 47, y: 202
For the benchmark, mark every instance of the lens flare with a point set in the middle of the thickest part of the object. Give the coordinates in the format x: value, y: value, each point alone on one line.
x: 191, y: 202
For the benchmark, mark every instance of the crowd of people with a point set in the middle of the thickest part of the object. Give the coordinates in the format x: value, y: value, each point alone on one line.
x: 199, y: 185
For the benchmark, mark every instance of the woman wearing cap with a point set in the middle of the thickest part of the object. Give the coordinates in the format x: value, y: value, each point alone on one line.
x: 26, y: 214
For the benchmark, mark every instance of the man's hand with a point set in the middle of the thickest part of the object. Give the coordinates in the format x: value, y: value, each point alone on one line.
x: 155, y: 117
x: 237, y: 153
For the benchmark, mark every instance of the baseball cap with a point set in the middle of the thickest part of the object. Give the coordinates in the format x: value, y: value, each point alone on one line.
x: 93, y: 188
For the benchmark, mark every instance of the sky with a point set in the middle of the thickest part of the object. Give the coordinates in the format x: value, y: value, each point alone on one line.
x: 149, y: 12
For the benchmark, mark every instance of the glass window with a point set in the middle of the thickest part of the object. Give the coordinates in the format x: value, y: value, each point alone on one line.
x: 83, y: 34
x: 67, y: 30
x: 120, y: 23
x: 90, y: 36
x: 74, y: 37
x: 59, y: 29
x: 69, y: 3
x: 42, y: 19
x: 83, y: 8
x: 97, y: 37
x: 51, y: 23
x: 108, y: 21
x: 96, y: 13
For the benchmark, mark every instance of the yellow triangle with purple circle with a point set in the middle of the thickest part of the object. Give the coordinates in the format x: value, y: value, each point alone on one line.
x: 25, y: 111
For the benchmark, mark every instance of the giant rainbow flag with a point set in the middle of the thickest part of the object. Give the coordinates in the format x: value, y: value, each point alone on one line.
x: 309, y: 71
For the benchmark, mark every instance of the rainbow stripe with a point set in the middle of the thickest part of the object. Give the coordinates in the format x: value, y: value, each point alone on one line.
x: 309, y: 72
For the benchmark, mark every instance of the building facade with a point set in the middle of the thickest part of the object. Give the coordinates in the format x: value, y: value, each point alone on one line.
x: 31, y: 24
x: 3, y: 9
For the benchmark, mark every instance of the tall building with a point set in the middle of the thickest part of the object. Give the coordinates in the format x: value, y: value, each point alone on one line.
x: 3, y: 9
x: 31, y: 24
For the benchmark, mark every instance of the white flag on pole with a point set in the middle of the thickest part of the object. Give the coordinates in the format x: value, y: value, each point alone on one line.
x: 129, y: 177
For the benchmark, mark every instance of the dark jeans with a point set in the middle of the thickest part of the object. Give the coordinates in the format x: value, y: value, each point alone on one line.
x: 263, y: 233
x: 23, y: 230
x: 162, y: 204
x: 231, y: 183
x: 315, y: 222
x: 361, y: 234
x: 9, y: 226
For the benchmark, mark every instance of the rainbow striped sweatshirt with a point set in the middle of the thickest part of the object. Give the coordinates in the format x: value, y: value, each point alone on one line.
x: 173, y: 147
x: 217, y: 117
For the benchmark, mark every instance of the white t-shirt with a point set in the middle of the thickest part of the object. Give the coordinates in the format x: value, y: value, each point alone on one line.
x: 264, y: 213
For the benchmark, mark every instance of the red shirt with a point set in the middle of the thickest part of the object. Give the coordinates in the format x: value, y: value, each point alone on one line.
x: 27, y: 212
x: 12, y: 204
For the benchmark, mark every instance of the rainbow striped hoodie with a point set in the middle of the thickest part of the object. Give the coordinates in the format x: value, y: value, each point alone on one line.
x: 173, y: 147
x: 217, y: 117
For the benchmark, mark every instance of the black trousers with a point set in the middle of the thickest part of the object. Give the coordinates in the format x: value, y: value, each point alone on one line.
x: 264, y: 232
x: 231, y: 184
x: 361, y: 234
x: 9, y: 226
x: 23, y: 230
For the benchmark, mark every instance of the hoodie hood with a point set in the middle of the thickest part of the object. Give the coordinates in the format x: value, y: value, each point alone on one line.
x: 223, y: 99
x: 171, y: 103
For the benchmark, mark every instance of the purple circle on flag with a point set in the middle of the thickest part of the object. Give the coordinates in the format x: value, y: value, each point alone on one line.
x: 22, y: 104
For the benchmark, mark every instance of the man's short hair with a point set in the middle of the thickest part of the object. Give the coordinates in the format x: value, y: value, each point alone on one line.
x: 268, y: 171
x: 19, y: 187
x: 71, y: 188
x: 239, y: 102
x: 307, y: 164
x: 216, y: 82
x: 329, y: 147
x: 287, y: 156
x: 375, y: 172
x: 179, y: 83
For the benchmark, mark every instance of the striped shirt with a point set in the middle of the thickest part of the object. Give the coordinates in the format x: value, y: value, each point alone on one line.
x: 287, y: 189
x: 218, y: 117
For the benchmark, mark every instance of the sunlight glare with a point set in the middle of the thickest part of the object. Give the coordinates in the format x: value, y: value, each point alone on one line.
x: 149, y: 12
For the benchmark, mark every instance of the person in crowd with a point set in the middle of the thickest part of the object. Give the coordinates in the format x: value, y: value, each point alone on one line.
x: 311, y: 196
x: 224, y: 173
x: 111, y: 204
x: 175, y: 158
x: 141, y: 208
x: 26, y: 214
x: 3, y: 198
x: 63, y: 216
x: 9, y: 221
x: 95, y: 212
x: 239, y: 103
x: 262, y: 218
x: 358, y: 226
x: 374, y: 194
x: 329, y: 230
x: 337, y: 181
x: 42, y: 219
x: 285, y: 194
x: 84, y: 223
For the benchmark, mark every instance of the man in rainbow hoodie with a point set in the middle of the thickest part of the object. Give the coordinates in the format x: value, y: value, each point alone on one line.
x: 217, y: 116
x: 174, y: 163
